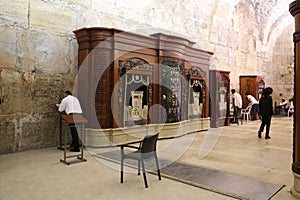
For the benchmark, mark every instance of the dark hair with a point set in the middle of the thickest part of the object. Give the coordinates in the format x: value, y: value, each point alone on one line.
x: 233, y: 90
x: 68, y: 92
x: 246, y: 94
x: 270, y: 90
x: 267, y: 91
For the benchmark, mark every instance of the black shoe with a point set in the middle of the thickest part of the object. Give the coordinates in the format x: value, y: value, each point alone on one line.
x: 75, y: 150
x: 259, y: 134
x: 268, y: 137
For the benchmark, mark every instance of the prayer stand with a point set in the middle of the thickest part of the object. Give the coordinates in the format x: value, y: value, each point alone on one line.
x: 60, y: 145
x: 77, y: 121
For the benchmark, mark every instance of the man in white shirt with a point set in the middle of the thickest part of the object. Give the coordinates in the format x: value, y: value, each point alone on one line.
x: 282, y: 106
x: 71, y: 105
x: 237, y: 103
x: 255, y: 106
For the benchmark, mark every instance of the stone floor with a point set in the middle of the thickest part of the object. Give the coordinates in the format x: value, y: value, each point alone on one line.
x: 38, y: 174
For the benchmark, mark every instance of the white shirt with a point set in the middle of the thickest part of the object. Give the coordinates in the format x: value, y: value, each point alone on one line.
x: 69, y: 104
x: 283, y: 103
x: 237, y: 100
x: 252, y: 99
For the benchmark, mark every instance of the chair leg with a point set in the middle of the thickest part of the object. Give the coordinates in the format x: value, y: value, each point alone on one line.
x: 139, y: 167
x: 122, y: 169
x: 144, y: 174
x: 157, y: 166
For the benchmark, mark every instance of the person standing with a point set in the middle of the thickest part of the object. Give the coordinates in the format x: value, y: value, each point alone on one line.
x: 266, y: 111
x: 237, y: 103
x: 71, y: 105
x: 254, y: 104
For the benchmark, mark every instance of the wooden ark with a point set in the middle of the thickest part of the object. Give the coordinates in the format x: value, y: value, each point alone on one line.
x: 219, y: 98
x: 122, y: 75
x: 252, y: 84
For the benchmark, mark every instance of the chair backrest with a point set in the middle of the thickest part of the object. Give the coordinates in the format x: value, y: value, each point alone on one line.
x: 247, y: 110
x: 249, y: 107
x: 149, y: 144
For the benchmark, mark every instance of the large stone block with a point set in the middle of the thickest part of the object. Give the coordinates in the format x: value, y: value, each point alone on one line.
x: 44, y: 51
x: 15, y: 91
x: 7, y: 135
x: 55, y: 17
x: 25, y: 132
x: 8, y: 47
x: 14, y: 13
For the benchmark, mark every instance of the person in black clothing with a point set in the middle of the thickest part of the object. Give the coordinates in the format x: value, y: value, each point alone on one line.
x: 266, y: 111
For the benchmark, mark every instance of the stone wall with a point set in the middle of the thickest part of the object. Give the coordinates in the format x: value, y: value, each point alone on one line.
x: 283, y: 66
x: 37, y: 63
x: 38, y: 50
x: 29, y: 117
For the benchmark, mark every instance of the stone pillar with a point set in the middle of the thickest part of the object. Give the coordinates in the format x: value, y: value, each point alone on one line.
x: 295, y: 11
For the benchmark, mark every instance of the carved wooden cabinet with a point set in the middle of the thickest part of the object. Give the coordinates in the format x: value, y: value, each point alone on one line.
x: 197, y: 92
x: 122, y: 75
x: 219, y: 98
x: 253, y: 85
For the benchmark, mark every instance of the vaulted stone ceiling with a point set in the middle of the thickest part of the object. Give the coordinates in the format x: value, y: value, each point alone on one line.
x: 209, y: 16
x: 271, y: 15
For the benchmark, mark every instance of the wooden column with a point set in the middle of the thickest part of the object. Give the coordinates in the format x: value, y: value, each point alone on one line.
x: 294, y: 9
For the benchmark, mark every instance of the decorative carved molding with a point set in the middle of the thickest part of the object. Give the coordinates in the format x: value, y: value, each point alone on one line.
x: 173, y: 64
x: 296, y: 37
x: 196, y: 71
x: 294, y: 8
x: 134, y: 63
x: 222, y: 79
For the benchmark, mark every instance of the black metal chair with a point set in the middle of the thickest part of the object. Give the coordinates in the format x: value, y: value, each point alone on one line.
x: 146, y: 150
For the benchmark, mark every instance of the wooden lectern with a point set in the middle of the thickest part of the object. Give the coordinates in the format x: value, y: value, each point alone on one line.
x: 75, y: 120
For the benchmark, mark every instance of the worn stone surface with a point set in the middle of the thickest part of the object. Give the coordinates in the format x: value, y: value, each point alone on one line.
x: 28, y: 112
x: 14, y: 14
x: 8, y: 136
x: 283, y: 79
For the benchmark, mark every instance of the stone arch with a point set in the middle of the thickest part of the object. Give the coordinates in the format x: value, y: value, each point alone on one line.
x: 281, y: 10
x: 276, y: 32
